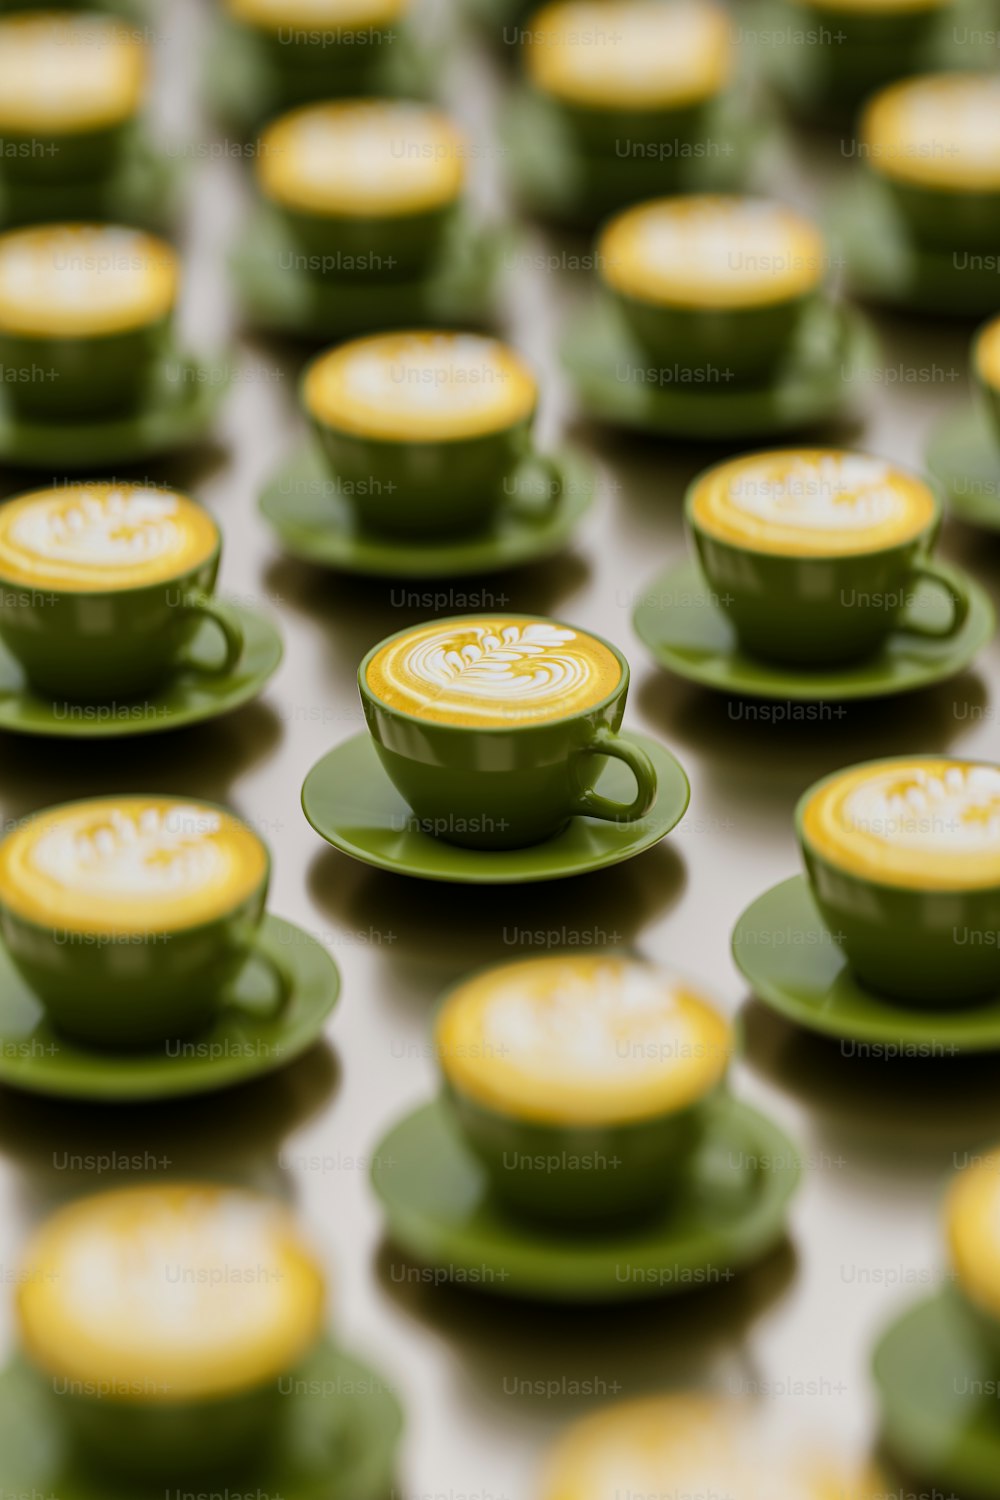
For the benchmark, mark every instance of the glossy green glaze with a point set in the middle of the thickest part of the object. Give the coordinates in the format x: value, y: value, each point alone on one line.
x: 824, y: 611
x: 190, y: 695
x: 246, y: 1038
x: 917, y: 946
x: 688, y: 633
x: 725, y: 1213
x: 964, y: 457
x: 817, y: 383
x: 947, y: 221
x: 339, y: 1447
x: 507, y: 788
x: 351, y: 247
x: 794, y: 964
x: 435, y: 489
x: 73, y: 379
x: 717, y: 347
x: 138, y: 188
x: 97, y: 645
x: 577, y: 1174
x: 351, y: 803
x: 58, y: 157
x: 308, y: 508
x: 138, y: 989
x: 937, y: 1388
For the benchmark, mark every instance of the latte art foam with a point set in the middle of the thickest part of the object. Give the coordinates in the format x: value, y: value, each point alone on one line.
x: 972, y: 1219
x: 63, y: 73
x: 712, y: 251
x: 130, y: 864
x: 84, y: 280
x: 581, y: 1040
x: 987, y: 354
x: 630, y: 54
x: 812, y: 502
x: 362, y: 159
x: 420, y: 387
x: 185, y: 1291
x: 276, y: 15
x: 940, y: 131
x: 917, y: 822
x: 102, y: 536
x: 492, y: 671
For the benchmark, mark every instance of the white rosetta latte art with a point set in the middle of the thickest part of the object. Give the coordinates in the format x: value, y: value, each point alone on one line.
x: 135, y: 856
x: 494, y: 670
x: 955, y: 810
x: 117, y: 529
x: 836, y: 492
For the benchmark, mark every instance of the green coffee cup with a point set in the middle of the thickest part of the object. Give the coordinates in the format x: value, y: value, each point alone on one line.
x: 814, y: 554
x: 367, y: 189
x: 886, y: 846
x: 495, y: 728
x: 139, y: 1405
x: 970, y: 1216
x: 850, y: 50
x: 924, y: 140
x: 429, y: 434
x: 129, y: 916
x: 573, y: 1131
x: 316, y: 56
x: 714, y: 285
x: 88, y: 622
x: 84, y: 316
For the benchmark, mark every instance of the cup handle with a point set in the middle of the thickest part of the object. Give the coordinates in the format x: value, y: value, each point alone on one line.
x: 533, y: 510
x: 229, y: 623
x: 284, y: 984
x: 591, y: 804
x: 958, y: 598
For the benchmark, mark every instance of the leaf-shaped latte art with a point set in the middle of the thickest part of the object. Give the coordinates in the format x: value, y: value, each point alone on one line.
x: 127, y: 854
x: 957, y: 809
x: 487, y: 670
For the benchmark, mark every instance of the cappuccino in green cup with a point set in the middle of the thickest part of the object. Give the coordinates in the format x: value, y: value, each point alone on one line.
x: 103, y: 586
x: 815, y: 553
x: 163, y: 1319
x: 903, y: 856
x: 986, y: 369
x: 84, y: 318
x: 426, y: 433
x: 972, y: 1225
x: 494, y: 728
x: 128, y: 916
x: 581, y: 1081
x: 715, y: 284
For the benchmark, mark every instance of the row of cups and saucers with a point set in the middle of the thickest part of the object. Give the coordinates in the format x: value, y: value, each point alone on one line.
x: 585, y: 1148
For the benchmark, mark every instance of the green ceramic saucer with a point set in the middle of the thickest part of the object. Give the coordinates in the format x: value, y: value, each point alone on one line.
x: 312, y: 522
x: 238, y: 1046
x: 618, y: 383
x: 964, y: 457
x: 279, y: 296
x: 939, y: 1400
x: 142, y: 191
x: 351, y: 803
x: 177, y: 413
x: 729, y: 1213
x: 188, y: 698
x: 794, y: 965
x: 339, y: 1447
x: 690, y: 635
x: 551, y: 179
x: 883, y: 265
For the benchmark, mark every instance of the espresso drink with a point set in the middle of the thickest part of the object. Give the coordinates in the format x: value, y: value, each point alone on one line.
x: 314, y: 15
x: 129, y: 864
x: 630, y: 54
x: 493, y: 671
x: 691, y: 1443
x: 712, y: 252
x: 98, y: 536
x: 170, y: 1294
x: 64, y: 73
x: 987, y: 355
x: 918, y: 822
x: 367, y: 159
x: 84, y: 281
x: 812, y: 503
x: 938, y: 131
x: 420, y: 387
x: 581, y: 1039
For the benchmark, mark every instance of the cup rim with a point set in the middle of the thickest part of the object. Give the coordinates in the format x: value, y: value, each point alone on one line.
x: 925, y: 536
x: 807, y: 846
x: 186, y: 928
x: 367, y: 696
